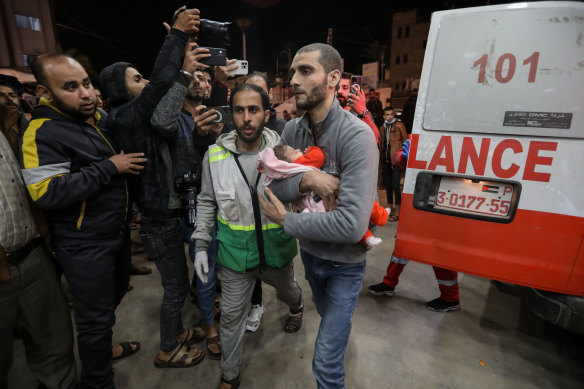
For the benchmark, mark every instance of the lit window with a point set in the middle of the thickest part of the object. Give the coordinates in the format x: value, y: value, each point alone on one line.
x: 28, y: 58
x: 35, y: 23
x: 29, y: 22
x: 21, y: 21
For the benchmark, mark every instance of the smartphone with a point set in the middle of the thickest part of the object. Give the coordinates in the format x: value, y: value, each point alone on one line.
x: 356, y: 80
x: 242, y: 69
x: 218, y: 56
x: 223, y: 114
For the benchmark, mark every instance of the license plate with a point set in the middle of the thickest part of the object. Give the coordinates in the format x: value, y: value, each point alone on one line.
x: 475, y: 197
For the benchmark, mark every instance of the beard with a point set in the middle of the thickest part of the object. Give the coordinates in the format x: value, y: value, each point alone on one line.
x: 252, y: 137
x: 194, y: 96
x: 77, y: 113
x: 343, y: 100
x: 313, y: 98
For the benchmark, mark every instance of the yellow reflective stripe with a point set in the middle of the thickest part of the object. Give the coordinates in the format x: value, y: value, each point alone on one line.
x: 30, y: 155
x: 236, y: 227
x: 81, y: 215
x: 38, y: 189
x: 216, y: 149
x: 220, y: 157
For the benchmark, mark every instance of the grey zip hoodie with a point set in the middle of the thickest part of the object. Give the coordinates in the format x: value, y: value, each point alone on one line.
x: 352, y: 156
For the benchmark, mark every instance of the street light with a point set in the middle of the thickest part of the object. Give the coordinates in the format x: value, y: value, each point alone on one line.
x: 243, y: 24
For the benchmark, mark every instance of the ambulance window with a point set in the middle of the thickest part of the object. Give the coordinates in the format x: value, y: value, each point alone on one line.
x: 503, y: 72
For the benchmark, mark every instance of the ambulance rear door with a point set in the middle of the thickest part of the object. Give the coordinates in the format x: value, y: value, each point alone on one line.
x: 495, y: 178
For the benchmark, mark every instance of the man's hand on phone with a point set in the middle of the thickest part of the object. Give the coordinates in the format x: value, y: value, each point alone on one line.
x: 193, y: 54
x: 357, y: 99
x: 222, y: 73
x: 204, y: 121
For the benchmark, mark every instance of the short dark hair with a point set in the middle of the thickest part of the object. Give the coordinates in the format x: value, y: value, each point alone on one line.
x: 208, y: 70
x: 38, y: 65
x: 241, y: 87
x: 329, y: 57
x: 280, y: 151
x: 257, y: 74
x: 390, y: 108
x: 371, y: 89
x: 345, y: 75
x: 8, y: 84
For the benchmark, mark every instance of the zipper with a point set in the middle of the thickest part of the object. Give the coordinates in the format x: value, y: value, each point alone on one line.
x: 81, y: 215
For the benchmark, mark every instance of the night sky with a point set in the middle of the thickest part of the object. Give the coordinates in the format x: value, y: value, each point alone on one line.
x: 111, y: 31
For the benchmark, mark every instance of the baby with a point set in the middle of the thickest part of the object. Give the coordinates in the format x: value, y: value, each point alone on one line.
x: 284, y: 161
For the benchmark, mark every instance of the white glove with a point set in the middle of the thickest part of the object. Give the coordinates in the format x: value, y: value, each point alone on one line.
x: 202, y: 265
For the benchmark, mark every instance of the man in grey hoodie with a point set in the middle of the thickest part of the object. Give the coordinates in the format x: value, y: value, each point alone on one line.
x: 334, y: 261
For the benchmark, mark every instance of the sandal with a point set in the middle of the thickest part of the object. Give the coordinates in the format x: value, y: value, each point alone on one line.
x: 234, y: 383
x: 127, y: 350
x: 184, y: 356
x: 293, y: 323
x: 393, y: 218
x: 140, y: 270
x: 214, y: 340
x: 193, y: 335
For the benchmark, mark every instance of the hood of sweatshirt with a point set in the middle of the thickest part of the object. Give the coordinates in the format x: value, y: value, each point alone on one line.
x: 113, y: 83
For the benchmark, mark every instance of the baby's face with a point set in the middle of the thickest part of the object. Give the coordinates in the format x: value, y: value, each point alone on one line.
x: 292, y: 154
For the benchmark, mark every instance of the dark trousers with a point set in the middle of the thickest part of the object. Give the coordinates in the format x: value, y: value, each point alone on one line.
x: 391, y: 177
x: 32, y: 307
x: 98, y: 273
x: 163, y: 241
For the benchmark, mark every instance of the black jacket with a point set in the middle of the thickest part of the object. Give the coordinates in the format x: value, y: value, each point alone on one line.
x: 67, y: 171
x: 129, y: 119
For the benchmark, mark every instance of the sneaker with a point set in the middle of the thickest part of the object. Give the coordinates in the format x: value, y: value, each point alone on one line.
x: 439, y: 305
x: 381, y: 289
x: 371, y: 242
x: 255, y: 316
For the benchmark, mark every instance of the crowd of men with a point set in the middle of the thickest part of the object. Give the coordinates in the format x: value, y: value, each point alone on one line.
x: 71, y: 175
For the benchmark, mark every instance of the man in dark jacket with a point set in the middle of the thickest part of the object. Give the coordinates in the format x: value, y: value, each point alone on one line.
x: 73, y: 172
x: 132, y: 100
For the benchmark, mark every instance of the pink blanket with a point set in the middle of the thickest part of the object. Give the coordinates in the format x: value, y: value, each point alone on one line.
x: 278, y: 169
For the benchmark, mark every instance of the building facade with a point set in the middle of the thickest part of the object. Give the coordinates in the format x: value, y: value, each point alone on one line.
x: 409, y: 35
x: 27, y: 30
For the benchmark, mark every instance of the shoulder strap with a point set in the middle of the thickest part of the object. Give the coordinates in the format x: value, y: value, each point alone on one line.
x: 257, y: 215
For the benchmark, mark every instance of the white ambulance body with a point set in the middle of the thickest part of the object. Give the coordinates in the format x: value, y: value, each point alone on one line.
x: 495, y: 178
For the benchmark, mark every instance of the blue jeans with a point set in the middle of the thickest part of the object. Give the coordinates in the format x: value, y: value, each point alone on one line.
x: 205, y: 291
x: 335, y: 288
x: 163, y: 241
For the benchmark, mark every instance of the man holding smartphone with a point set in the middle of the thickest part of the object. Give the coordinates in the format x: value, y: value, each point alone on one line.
x: 352, y: 99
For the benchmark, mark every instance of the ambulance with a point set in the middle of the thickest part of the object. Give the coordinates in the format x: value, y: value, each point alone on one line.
x: 495, y: 179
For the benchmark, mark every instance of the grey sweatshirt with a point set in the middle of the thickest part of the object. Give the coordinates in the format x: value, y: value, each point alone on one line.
x: 352, y: 156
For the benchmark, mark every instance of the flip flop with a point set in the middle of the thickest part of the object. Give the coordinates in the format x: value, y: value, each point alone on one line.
x: 140, y: 271
x: 127, y: 350
x: 184, y: 356
x: 193, y: 335
x: 393, y: 218
x: 211, y: 341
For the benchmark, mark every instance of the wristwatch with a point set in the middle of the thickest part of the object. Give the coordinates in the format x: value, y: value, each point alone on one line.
x: 364, y: 114
x: 189, y: 75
